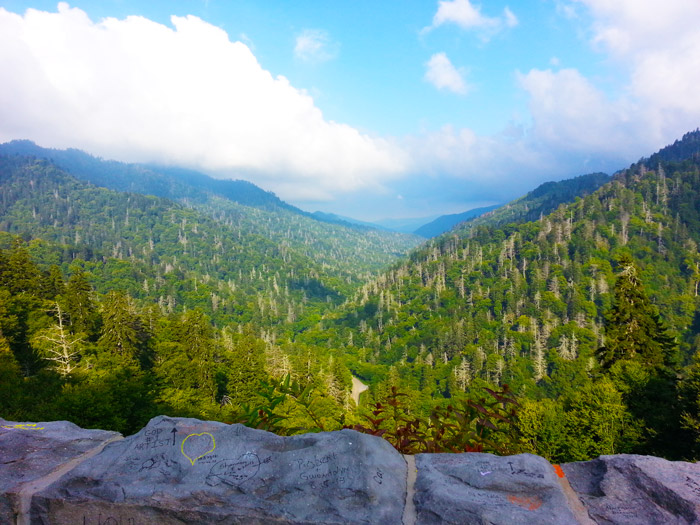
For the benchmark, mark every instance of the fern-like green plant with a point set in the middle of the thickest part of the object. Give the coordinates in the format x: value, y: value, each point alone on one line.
x: 487, y: 425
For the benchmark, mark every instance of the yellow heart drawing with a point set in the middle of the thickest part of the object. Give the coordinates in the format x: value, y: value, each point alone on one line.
x: 199, y: 446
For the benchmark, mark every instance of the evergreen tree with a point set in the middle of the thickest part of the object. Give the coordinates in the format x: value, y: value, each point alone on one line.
x: 52, y: 283
x: 245, y: 354
x: 21, y: 274
x: 640, y: 355
x: 10, y: 382
x: 689, y: 390
x: 79, y: 305
x: 196, y: 337
x: 633, y: 329
x: 122, y: 333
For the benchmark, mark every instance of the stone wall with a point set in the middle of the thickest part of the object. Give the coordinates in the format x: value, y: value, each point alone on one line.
x: 181, y: 471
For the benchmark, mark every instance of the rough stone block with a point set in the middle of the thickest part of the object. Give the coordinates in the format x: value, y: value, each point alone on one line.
x: 31, y: 451
x: 178, y: 470
x: 629, y: 489
x: 488, y: 489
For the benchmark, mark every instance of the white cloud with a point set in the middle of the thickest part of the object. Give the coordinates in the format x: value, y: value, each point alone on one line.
x: 570, y: 113
x: 468, y: 16
x: 443, y: 75
x: 137, y: 90
x: 655, y: 47
x: 315, y: 45
x: 659, y: 42
x: 509, y: 18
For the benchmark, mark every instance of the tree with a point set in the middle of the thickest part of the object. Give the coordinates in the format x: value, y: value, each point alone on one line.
x: 633, y: 329
x: 197, y: 340
x: 246, y: 365
x: 595, y: 421
x: 57, y: 345
x: 122, y: 332
x: 640, y: 357
x: 689, y: 393
x: 81, y: 309
x: 10, y: 382
x: 21, y: 274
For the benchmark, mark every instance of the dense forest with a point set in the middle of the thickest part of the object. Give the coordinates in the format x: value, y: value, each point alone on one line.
x: 580, y: 300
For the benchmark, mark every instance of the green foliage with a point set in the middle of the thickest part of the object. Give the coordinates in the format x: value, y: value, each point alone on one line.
x: 281, y: 406
x: 463, y: 426
x: 689, y: 393
x: 595, y: 422
x: 633, y: 329
x: 211, y: 308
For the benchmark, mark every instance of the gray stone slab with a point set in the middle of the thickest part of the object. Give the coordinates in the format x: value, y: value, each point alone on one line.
x: 629, y: 490
x: 486, y: 489
x: 31, y: 451
x: 177, y: 471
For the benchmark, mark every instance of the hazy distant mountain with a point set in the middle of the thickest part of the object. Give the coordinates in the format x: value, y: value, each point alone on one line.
x: 350, y: 249
x: 346, y: 221
x: 405, y: 225
x: 447, y: 222
x: 160, y: 181
x: 542, y: 200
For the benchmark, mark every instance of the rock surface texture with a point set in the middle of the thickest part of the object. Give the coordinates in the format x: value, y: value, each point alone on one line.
x: 186, y: 471
x: 629, y: 489
x: 31, y: 452
x: 189, y: 471
x: 483, y: 488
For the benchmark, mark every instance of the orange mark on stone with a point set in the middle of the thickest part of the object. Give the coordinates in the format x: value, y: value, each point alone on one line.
x: 533, y: 503
x: 559, y: 471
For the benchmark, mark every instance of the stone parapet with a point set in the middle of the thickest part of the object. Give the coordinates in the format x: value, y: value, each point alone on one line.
x: 182, y: 471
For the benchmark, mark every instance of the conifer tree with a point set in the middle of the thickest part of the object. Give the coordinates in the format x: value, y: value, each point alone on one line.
x: 641, y: 357
x: 10, y: 382
x: 79, y: 306
x: 21, y: 274
x: 120, y: 330
x: 197, y: 339
x: 246, y: 362
x: 633, y: 329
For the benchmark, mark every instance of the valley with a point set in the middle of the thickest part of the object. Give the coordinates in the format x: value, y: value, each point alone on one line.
x: 128, y: 291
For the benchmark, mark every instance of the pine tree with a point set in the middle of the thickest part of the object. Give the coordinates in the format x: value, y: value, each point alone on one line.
x: 121, y: 327
x: 21, y: 274
x: 246, y: 365
x: 196, y: 337
x: 79, y: 306
x: 633, y: 329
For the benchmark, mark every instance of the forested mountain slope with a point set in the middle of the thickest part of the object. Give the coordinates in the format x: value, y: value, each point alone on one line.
x: 525, y: 303
x: 155, y: 248
x: 542, y: 200
x: 196, y: 309
x: 120, y: 306
x: 355, y: 251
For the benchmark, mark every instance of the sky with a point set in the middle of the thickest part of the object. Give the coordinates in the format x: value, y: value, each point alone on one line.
x: 372, y: 110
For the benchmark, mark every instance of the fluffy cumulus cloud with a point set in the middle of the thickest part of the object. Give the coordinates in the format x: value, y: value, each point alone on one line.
x: 570, y: 114
x: 660, y: 42
x: 443, y: 75
x: 137, y: 90
x: 469, y: 16
x: 315, y: 45
x: 655, y: 48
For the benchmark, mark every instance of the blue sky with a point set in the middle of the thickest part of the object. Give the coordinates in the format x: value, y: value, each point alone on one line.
x: 368, y: 109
